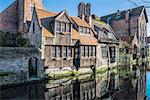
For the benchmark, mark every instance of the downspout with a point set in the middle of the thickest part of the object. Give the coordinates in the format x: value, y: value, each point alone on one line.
x: 108, y: 57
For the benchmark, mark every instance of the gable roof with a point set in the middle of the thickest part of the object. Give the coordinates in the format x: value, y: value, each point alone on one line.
x: 135, y: 12
x: 61, y: 13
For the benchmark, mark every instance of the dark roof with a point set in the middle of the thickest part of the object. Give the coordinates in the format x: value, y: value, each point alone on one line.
x: 121, y: 14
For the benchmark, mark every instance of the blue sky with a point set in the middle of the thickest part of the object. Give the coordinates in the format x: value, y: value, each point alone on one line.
x: 99, y: 7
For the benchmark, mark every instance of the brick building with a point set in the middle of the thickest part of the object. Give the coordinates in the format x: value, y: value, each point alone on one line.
x: 131, y: 27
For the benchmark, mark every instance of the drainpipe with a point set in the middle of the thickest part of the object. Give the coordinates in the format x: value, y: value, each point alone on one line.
x: 108, y: 57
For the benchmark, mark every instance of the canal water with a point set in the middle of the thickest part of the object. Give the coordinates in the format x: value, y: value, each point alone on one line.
x: 148, y: 85
x: 122, y: 83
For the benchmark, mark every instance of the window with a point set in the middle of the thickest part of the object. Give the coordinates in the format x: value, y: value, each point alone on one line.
x: 94, y: 51
x: 91, y: 51
x: 58, y: 26
x: 67, y: 27
x: 32, y: 8
x: 104, y: 51
x: 69, y: 52
x: 63, y: 27
x: 65, y: 52
x: 54, y: 52
x: 112, y: 54
x: 59, y: 50
x: 84, y: 30
x: 86, y: 51
x: 82, y: 51
x: 33, y: 27
x: 88, y: 31
x: 80, y: 30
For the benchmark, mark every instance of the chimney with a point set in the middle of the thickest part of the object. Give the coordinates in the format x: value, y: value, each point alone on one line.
x: 88, y: 17
x: 127, y: 15
x: 118, y: 12
x: 81, y: 10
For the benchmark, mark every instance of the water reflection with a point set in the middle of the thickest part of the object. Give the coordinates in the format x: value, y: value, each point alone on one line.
x: 125, y: 83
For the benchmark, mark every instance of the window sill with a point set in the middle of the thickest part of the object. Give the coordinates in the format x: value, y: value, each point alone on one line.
x: 67, y: 58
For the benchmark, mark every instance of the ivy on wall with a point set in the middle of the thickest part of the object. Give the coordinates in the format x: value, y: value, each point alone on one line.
x: 10, y: 39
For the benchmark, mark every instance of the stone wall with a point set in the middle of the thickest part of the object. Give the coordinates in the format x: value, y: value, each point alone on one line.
x: 16, y: 60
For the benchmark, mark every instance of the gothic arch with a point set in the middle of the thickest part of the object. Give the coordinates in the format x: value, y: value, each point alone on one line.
x: 33, y: 66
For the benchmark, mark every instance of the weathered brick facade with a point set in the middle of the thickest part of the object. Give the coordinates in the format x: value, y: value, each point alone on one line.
x: 130, y: 24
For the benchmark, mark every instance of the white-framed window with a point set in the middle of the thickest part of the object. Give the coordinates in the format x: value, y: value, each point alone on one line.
x: 54, y: 52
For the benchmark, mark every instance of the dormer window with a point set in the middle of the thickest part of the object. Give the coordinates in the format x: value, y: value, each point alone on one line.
x: 63, y: 27
x: 67, y: 27
x: 84, y: 30
x: 58, y: 26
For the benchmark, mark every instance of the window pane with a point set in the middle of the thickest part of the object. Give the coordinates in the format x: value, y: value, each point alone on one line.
x: 63, y: 27
x: 69, y: 52
x: 54, y: 52
x: 82, y: 51
x: 80, y: 30
x: 88, y: 31
x: 65, y: 52
x: 59, y: 52
x: 87, y: 51
x: 58, y: 26
x: 84, y: 30
x: 67, y: 27
x: 104, y: 51
x: 91, y: 51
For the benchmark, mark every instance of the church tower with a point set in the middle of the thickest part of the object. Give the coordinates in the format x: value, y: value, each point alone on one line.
x: 25, y: 10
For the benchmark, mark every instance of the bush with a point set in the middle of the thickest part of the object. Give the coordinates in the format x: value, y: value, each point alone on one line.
x: 20, y: 41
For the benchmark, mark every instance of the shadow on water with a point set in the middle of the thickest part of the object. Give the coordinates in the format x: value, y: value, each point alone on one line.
x: 123, y: 83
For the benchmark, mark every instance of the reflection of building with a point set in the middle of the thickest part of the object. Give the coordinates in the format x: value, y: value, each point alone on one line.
x: 106, y: 84
x: 131, y: 27
x: 79, y: 89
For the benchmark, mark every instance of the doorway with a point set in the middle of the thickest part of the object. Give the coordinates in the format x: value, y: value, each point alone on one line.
x: 33, y: 67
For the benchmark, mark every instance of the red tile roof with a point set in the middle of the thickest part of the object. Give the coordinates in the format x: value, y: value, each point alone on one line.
x: 80, y: 22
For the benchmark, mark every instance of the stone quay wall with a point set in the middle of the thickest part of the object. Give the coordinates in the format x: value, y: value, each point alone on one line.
x: 14, y: 64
